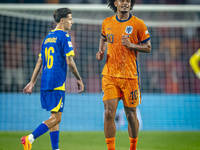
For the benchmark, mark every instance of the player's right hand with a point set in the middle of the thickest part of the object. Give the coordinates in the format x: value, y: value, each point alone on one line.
x: 80, y: 86
x: 99, y: 55
x: 28, y: 88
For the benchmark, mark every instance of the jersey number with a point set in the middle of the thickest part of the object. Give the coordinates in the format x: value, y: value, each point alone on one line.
x: 110, y: 38
x: 49, y: 57
x: 134, y: 94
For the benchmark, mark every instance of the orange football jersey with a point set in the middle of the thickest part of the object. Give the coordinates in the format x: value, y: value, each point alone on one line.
x: 121, y: 62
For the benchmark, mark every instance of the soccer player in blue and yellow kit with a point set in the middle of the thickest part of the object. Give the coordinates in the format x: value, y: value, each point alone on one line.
x: 124, y: 35
x: 56, y: 54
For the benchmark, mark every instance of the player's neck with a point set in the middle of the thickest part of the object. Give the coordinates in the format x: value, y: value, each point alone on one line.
x: 123, y: 16
x: 59, y: 27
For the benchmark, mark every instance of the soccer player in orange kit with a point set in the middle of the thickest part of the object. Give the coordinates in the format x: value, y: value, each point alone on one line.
x: 123, y: 35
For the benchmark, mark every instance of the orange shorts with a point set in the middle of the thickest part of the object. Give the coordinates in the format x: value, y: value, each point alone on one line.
x: 125, y: 88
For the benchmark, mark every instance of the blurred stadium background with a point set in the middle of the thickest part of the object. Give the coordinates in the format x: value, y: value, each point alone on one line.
x: 170, y: 89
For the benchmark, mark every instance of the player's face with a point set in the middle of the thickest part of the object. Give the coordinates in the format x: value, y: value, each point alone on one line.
x: 68, y: 22
x: 123, y: 6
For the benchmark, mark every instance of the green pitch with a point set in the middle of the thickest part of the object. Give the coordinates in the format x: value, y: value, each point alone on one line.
x: 95, y: 141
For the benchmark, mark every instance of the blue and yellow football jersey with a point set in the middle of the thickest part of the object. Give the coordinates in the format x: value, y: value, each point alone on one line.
x: 55, y: 48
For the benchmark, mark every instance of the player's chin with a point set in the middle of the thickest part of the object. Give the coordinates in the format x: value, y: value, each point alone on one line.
x: 124, y: 12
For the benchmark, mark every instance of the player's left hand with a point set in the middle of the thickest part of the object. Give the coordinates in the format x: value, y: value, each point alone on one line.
x: 125, y: 41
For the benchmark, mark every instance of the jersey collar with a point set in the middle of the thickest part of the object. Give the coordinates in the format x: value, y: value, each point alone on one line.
x: 123, y: 20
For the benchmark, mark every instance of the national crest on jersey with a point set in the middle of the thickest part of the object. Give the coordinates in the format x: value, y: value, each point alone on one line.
x: 129, y: 29
x: 122, y: 62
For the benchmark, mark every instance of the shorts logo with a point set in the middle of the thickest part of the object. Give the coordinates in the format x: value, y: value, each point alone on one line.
x: 61, y: 106
x: 129, y: 29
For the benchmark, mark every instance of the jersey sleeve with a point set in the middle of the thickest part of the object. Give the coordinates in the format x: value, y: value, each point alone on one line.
x: 103, y: 33
x: 143, y: 33
x: 41, y: 54
x: 67, y: 46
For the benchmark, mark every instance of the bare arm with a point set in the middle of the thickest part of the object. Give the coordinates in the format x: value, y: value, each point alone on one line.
x: 144, y: 48
x: 74, y: 70
x: 30, y: 85
x: 102, y: 48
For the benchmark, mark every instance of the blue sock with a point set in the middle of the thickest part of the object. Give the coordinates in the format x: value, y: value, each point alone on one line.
x: 54, y: 139
x: 41, y: 129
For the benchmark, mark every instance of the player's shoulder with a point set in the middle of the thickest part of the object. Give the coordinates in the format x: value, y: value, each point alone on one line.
x: 136, y: 19
x: 62, y: 33
x: 107, y: 19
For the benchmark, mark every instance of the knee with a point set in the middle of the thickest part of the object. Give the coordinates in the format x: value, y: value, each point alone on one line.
x: 109, y: 114
x: 57, y: 119
x: 132, y: 118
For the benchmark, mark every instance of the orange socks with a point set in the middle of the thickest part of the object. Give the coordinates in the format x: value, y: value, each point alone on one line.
x: 110, y: 143
x: 133, y: 143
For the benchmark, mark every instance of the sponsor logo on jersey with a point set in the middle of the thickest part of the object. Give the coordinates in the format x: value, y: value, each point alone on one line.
x: 67, y: 35
x: 70, y: 44
x: 129, y: 29
x: 147, y: 32
x: 109, y: 28
x: 50, y: 40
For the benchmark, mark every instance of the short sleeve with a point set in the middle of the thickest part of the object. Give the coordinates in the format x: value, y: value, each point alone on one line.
x: 67, y: 46
x: 103, y: 29
x: 143, y: 33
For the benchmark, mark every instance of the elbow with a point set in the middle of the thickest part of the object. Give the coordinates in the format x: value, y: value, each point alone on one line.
x: 70, y: 65
x: 148, y: 49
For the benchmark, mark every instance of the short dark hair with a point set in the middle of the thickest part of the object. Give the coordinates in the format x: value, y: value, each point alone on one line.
x: 61, y: 13
x: 112, y: 6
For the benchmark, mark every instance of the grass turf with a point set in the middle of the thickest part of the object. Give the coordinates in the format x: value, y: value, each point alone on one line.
x: 148, y: 140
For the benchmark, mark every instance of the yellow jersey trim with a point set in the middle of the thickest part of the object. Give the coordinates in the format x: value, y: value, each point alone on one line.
x: 71, y: 53
x: 57, y: 108
x: 61, y: 88
x: 194, y: 60
x: 56, y: 30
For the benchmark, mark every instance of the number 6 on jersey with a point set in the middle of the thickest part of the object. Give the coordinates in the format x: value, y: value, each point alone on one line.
x: 49, y: 57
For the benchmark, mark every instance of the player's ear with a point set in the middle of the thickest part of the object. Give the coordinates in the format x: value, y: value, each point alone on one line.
x: 61, y: 20
x: 115, y: 3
